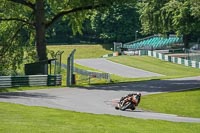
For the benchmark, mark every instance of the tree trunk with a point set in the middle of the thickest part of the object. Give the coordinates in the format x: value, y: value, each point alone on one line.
x: 186, y: 41
x: 40, y: 30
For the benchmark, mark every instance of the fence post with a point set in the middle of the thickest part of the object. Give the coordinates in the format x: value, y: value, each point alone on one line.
x: 70, y: 68
x: 68, y: 72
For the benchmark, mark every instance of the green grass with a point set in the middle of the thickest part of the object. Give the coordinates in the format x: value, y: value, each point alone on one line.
x: 184, y: 103
x: 170, y: 70
x: 82, y: 51
x: 25, y: 119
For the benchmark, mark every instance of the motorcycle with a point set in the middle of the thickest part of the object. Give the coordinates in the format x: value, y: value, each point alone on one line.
x: 128, y: 102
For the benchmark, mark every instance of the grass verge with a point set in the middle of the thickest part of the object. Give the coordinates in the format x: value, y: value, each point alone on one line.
x: 183, y: 103
x: 25, y: 119
x: 170, y: 70
x: 14, y: 89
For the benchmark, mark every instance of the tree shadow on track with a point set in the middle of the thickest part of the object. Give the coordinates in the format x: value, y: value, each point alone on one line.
x: 150, y: 86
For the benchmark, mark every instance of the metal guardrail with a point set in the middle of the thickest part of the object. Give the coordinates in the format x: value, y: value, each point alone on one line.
x: 90, y: 74
x: 30, y: 80
x: 93, y: 74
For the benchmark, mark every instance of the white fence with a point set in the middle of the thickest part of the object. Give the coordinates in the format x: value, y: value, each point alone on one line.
x: 176, y: 60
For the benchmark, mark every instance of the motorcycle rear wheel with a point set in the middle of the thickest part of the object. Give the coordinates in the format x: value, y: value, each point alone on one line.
x: 125, y: 106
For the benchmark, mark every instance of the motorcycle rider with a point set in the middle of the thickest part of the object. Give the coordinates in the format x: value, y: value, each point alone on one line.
x: 133, y: 97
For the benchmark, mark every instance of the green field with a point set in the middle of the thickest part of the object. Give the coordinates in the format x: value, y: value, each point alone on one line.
x: 26, y: 119
x: 184, y: 103
x: 82, y: 51
x: 14, y: 89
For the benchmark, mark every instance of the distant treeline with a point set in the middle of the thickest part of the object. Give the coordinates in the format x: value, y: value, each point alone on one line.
x: 118, y: 24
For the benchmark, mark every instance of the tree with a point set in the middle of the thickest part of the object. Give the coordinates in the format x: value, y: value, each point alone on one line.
x: 118, y: 23
x: 36, y: 16
x: 170, y: 16
x: 150, y: 16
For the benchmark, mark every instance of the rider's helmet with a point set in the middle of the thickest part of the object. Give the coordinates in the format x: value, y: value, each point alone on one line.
x: 139, y: 94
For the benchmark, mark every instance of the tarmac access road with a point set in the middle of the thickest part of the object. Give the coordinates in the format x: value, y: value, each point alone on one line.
x: 115, y: 68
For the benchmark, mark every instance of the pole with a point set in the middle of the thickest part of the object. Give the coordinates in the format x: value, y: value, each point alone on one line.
x: 61, y: 52
x: 70, y: 68
x: 68, y: 72
x: 136, y: 35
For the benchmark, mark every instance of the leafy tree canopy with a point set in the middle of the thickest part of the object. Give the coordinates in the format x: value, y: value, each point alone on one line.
x: 170, y: 16
x: 118, y: 23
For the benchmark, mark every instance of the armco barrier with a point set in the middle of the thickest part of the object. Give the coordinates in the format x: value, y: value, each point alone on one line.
x: 176, y: 60
x: 93, y: 74
x: 30, y: 80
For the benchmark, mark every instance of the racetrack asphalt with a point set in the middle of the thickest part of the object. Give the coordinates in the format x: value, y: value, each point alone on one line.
x: 102, y: 99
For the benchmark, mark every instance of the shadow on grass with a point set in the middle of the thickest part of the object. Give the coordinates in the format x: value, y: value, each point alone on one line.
x: 7, y: 89
x: 24, y: 94
x: 16, y: 92
x: 24, y: 88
